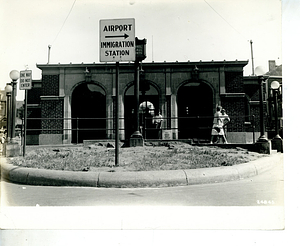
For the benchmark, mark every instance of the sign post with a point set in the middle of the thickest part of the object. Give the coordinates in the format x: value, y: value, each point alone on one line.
x: 25, y: 84
x: 117, y: 117
x: 117, y: 44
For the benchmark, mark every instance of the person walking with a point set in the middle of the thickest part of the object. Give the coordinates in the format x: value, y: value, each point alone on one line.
x: 217, y: 131
x: 225, y: 119
x: 217, y: 126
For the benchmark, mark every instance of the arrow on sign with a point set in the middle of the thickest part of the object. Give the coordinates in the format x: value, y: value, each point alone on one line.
x: 118, y: 36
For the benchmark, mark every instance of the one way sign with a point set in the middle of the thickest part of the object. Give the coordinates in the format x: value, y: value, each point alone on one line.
x: 117, y: 40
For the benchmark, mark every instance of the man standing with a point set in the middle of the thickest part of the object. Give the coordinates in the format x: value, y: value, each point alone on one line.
x: 157, y: 120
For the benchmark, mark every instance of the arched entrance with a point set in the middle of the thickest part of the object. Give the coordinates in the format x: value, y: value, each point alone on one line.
x: 149, y: 101
x: 195, y: 110
x: 88, y: 113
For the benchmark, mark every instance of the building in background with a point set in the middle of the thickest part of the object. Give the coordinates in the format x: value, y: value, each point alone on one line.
x: 2, y: 110
x: 275, y: 73
x: 252, y: 93
x: 76, y: 102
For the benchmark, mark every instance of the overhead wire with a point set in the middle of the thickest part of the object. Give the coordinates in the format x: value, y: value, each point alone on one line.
x: 64, y: 21
x: 225, y: 20
x: 250, y: 41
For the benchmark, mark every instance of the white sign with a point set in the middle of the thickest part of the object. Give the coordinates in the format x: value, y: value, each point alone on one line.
x: 25, y: 80
x: 117, y: 40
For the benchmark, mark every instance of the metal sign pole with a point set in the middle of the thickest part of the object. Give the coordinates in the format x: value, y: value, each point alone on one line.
x: 122, y: 33
x: 25, y: 84
x: 137, y: 96
x: 25, y: 124
x: 117, y: 117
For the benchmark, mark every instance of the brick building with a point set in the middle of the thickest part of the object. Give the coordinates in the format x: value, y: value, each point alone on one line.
x: 76, y: 102
x: 2, y: 109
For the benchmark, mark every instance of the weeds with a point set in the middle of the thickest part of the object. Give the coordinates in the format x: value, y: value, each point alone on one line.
x: 155, y: 157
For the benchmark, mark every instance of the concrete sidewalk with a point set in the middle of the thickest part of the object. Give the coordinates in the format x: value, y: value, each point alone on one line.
x: 31, y: 176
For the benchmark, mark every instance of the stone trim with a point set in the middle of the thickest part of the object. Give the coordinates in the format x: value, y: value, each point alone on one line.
x: 51, y: 98
x: 233, y: 95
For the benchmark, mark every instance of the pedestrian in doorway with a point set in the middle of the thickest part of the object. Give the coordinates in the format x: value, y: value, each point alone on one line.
x: 157, y: 121
x: 148, y: 125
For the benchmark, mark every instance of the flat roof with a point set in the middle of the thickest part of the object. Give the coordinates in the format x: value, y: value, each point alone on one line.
x: 149, y: 64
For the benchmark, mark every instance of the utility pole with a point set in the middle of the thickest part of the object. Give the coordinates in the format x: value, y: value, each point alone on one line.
x: 252, y: 58
x: 49, y: 47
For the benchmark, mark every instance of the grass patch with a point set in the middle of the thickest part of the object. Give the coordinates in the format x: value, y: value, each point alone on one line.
x: 170, y: 156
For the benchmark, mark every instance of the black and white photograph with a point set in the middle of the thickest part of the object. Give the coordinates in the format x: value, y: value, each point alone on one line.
x: 147, y: 122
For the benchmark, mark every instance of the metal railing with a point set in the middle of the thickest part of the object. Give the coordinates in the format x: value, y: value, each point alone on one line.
x: 76, y: 122
x: 185, y: 127
x: 198, y: 125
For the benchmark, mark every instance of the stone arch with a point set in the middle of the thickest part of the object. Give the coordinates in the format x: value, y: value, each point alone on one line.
x: 150, y: 94
x: 195, y: 104
x: 88, y: 111
x: 85, y: 82
x: 195, y: 81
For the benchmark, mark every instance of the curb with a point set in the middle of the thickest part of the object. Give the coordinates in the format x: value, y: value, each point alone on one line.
x: 31, y: 176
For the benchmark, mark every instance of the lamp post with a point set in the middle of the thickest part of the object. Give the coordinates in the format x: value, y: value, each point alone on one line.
x: 263, y: 144
x: 14, y: 75
x: 136, y: 139
x: 11, y: 147
x: 259, y: 71
x: 137, y: 97
x: 277, y: 140
x: 8, y: 90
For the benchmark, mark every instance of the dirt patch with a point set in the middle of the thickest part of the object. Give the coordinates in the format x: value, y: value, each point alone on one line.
x: 153, y: 156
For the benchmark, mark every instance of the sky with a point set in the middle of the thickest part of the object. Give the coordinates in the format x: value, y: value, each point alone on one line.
x: 177, y: 30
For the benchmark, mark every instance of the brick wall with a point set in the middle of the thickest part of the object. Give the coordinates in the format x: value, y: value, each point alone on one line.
x: 52, y: 109
x: 234, y: 82
x: 50, y: 85
x: 256, y: 112
x: 235, y: 108
x: 33, y: 96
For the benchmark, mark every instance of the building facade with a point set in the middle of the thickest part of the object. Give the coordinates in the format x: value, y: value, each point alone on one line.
x: 76, y: 102
x: 2, y: 109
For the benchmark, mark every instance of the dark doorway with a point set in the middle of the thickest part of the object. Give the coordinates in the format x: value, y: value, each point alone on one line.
x: 195, y: 110
x: 151, y: 97
x: 88, y: 113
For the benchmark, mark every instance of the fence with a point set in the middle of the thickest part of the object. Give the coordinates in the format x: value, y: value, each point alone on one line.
x: 104, y: 128
x: 199, y: 127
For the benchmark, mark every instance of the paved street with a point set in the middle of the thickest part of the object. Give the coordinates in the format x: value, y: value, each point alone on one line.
x: 264, y: 189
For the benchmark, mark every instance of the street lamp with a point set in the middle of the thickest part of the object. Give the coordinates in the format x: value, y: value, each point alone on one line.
x: 11, y: 147
x: 8, y: 90
x: 263, y: 145
x: 260, y: 73
x: 14, y: 75
x: 136, y: 139
x: 277, y: 140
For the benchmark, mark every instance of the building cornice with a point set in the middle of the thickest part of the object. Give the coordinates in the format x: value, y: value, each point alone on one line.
x: 148, y: 64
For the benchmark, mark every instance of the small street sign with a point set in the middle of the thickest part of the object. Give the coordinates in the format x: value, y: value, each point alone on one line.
x: 117, y: 40
x: 25, y: 80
